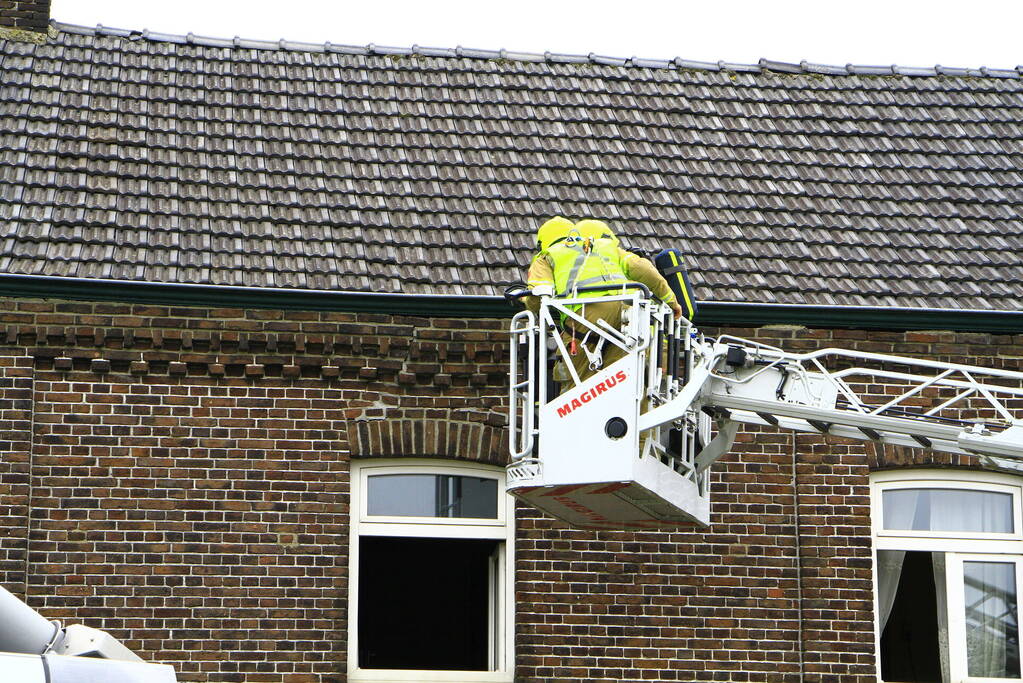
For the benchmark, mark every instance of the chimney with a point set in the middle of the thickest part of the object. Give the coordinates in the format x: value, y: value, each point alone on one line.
x: 24, y: 19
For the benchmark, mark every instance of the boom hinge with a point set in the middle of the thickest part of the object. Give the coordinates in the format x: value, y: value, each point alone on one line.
x: 822, y: 427
x: 871, y: 434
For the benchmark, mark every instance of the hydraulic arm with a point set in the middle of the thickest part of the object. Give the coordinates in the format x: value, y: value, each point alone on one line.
x: 630, y: 445
x: 33, y: 649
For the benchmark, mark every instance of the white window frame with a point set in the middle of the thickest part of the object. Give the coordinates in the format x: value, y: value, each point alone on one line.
x: 994, y: 483
x: 502, y: 601
x: 958, y: 546
x: 957, y: 609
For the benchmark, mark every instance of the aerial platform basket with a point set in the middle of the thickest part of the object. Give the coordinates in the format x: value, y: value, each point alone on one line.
x: 589, y: 475
x: 585, y: 469
x: 631, y: 446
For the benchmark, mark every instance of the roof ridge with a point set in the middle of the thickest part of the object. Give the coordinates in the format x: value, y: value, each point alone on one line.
x: 763, y: 66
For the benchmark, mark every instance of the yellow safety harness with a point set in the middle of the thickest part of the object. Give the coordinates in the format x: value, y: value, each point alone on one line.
x: 583, y: 262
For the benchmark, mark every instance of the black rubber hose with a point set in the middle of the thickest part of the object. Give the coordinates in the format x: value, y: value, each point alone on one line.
x: 515, y: 292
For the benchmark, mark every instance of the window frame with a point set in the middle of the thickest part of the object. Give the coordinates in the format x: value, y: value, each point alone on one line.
x: 946, y: 541
x: 391, y: 525
x: 957, y: 546
x: 501, y: 625
x: 957, y: 609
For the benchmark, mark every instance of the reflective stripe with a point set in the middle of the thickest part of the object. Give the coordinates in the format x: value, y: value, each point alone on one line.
x: 690, y: 310
x: 599, y: 279
x: 577, y: 264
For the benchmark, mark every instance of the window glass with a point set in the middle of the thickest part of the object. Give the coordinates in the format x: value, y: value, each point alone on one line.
x: 910, y: 616
x: 992, y: 630
x: 947, y: 510
x: 424, y: 603
x: 432, y: 495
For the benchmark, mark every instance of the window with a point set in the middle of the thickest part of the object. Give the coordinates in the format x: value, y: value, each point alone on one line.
x: 431, y: 589
x: 946, y: 510
x: 949, y: 564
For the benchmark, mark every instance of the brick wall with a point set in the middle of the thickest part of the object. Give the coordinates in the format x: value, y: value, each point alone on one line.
x: 179, y: 477
x: 31, y: 15
x: 189, y: 467
x: 15, y: 462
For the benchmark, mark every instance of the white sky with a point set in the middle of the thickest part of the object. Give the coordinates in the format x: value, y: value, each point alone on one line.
x: 904, y: 32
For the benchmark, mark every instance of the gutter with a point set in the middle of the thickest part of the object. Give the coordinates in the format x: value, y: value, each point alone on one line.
x: 895, y: 318
x: 230, y: 296
x: 711, y: 313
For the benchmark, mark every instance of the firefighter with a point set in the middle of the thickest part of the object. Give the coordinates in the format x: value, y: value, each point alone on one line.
x: 588, y: 227
x: 552, y: 232
x: 581, y: 255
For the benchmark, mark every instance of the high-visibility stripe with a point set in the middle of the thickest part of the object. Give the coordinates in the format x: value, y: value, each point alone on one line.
x: 682, y: 286
x: 573, y: 268
x: 597, y: 279
x: 611, y: 488
x: 580, y: 261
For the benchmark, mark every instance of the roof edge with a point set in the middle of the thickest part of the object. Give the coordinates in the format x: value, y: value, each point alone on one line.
x: 677, y: 63
x: 231, y: 296
x: 895, y: 318
x: 737, y: 314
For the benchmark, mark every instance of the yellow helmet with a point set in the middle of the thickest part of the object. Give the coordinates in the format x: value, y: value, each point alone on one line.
x: 595, y: 229
x: 552, y: 230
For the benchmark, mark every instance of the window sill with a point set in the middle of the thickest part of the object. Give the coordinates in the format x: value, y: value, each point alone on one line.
x: 428, y: 676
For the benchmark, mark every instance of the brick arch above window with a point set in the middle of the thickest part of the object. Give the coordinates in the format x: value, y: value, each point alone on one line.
x: 444, y: 435
x: 885, y: 457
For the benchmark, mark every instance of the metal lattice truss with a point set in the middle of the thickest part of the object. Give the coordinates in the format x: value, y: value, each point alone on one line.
x: 887, y: 399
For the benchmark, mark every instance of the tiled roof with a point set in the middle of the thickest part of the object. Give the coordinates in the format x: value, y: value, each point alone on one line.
x: 141, y: 156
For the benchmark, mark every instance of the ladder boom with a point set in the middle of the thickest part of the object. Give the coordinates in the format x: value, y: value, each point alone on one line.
x: 867, y: 402
x: 629, y: 446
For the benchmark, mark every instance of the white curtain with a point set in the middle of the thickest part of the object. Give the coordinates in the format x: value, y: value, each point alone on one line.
x: 889, y: 569
x: 941, y: 598
x: 899, y: 513
x: 900, y: 508
x: 992, y: 633
x: 947, y: 510
x: 959, y: 510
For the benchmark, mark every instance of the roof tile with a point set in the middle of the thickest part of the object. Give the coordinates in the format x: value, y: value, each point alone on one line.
x: 141, y: 156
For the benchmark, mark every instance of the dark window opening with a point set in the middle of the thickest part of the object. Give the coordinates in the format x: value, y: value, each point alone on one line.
x: 424, y: 603
x: 909, y: 643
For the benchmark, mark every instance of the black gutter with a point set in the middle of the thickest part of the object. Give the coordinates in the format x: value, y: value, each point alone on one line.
x: 860, y: 317
x: 726, y: 314
x: 226, y: 296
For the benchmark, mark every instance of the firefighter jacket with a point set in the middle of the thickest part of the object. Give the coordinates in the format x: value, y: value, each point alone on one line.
x: 569, y: 264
